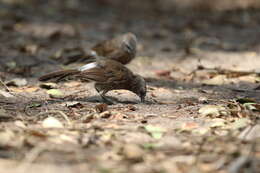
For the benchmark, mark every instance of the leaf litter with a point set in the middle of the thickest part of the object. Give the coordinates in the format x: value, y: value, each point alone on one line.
x: 196, y: 119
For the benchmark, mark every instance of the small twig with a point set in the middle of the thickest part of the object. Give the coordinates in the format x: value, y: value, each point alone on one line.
x: 6, y: 87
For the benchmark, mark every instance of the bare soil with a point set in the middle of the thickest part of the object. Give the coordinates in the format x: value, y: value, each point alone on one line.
x: 202, y: 107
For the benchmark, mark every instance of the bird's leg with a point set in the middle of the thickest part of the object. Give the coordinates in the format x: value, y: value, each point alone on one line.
x: 105, y: 99
x: 102, y: 95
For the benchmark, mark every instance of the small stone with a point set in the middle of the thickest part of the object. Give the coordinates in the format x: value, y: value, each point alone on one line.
x: 20, y: 124
x: 17, y: 82
x: 133, y: 152
x: 52, y: 122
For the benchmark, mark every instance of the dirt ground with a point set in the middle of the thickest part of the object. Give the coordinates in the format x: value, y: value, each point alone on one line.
x: 202, y: 107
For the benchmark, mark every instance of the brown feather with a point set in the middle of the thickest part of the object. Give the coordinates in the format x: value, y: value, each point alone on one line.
x: 58, y: 74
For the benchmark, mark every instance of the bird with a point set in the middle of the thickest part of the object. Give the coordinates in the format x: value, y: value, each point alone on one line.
x: 121, y: 49
x: 107, y: 74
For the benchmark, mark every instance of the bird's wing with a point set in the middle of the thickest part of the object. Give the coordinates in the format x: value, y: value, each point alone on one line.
x: 104, y: 71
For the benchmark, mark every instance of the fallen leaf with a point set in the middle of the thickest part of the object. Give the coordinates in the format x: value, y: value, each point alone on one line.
x: 18, y: 82
x: 30, y: 48
x: 68, y: 138
x: 201, y: 131
x: 213, y: 110
x: 249, y: 79
x: 240, y: 123
x: 131, y: 108
x: 250, y: 106
x: 48, y: 85
x: 189, y: 126
x: 155, y: 131
x: 24, y: 89
x: 203, y: 100
x: 6, y: 94
x: 217, y: 122
x: 105, y: 114
x: 217, y: 80
x: 20, y: 124
x: 55, y: 93
x: 73, y: 104
x: 163, y: 73
x: 101, y: 107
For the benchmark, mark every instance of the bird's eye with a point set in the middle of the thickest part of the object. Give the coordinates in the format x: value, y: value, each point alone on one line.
x: 129, y: 47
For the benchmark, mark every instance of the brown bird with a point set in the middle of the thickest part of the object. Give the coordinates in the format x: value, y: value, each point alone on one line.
x: 121, y: 49
x: 107, y: 74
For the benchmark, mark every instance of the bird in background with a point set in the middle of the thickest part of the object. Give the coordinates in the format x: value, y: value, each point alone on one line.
x: 121, y: 49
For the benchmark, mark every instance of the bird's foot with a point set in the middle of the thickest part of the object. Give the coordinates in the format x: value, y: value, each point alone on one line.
x: 108, y: 100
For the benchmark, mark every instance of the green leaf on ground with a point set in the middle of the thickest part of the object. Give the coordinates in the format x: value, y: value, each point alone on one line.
x: 155, y: 131
x: 55, y: 93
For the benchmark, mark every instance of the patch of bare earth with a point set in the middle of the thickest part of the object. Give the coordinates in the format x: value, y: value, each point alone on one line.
x: 202, y: 107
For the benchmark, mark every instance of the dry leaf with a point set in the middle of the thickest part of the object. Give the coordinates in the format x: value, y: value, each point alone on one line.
x: 55, y: 93
x: 101, y: 107
x: 217, y: 122
x: 163, y: 73
x: 20, y: 124
x: 105, y: 114
x: 189, y: 126
x: 213, y: 110
x: 48, y: 85
x: 24, y: 89
x: 155, y: 131
x: 17, y: 82
x: 5, y: 94
x: 73, y: 104
x: 240, y: 123
x: 201, y: 131
x: 217, y: 80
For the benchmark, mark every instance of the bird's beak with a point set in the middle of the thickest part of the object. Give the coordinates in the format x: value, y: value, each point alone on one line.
x: 129, y: 48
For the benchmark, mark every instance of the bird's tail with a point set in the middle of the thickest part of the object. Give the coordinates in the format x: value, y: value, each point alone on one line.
x: 58, y: 75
